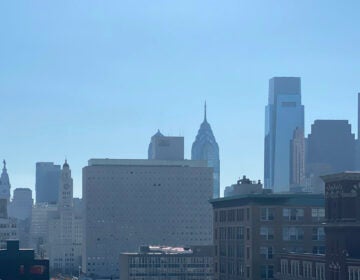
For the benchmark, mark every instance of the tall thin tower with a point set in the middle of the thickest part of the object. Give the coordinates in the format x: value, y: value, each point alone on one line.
x: 283, y: 114
x: 206, y: 148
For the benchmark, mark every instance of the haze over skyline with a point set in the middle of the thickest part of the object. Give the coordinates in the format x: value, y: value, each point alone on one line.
x: 93, y: 79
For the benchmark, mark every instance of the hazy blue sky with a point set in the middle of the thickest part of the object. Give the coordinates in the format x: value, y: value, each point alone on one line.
x: 87, y: 79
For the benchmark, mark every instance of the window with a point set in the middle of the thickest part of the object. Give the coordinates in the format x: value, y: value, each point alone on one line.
x: 267, y: 272
x: 247, y: 233
x: 318, y: 214
x: 239, y: 233
x: 293, y: 214
x: 240, y: 214
x: 266, y: 252
x: 267, y: 214
x: 267, y: 232
x: 318, y: 234
x: 293, y: 233
x: 319, y: 250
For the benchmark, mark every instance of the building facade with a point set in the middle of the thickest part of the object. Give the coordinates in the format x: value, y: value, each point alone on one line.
x: 283, y: 115
x: 341, y: 260
x: 166, y: 147
x: 47, y: 182
x: 168, y: 263
x: 330, y: 149
x: 206, y: 148
x: 297, y: 159
x: 129, y: 203
x: 65, y: 227
x: 250, y: 230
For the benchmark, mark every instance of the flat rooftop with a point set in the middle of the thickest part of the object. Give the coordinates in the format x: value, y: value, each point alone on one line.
x: 146, y: 162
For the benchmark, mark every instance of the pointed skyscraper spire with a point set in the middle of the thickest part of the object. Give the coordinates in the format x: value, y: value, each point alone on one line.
x: 205, y: 112
x: 4, y: 162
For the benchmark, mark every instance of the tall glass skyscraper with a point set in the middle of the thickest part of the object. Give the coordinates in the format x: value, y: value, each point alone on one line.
x: 283, y: 114
x: 206, y: 148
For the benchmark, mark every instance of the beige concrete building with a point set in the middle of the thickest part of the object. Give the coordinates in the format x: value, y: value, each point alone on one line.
x: 129, y: 203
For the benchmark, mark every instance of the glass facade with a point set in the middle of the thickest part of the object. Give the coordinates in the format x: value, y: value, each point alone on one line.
x: 283, y: 114
x: 206, y: 148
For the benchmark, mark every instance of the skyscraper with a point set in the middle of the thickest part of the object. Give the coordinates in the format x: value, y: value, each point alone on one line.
x: 5, y: 184
x: 330, y: 149
x: 166, y: 147
x: 47, y: 182
x: 297, y: 161
x: 206, y: 148
x: 283, y: 114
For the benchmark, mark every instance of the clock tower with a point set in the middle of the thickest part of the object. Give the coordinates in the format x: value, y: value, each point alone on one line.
x: 66, y: 187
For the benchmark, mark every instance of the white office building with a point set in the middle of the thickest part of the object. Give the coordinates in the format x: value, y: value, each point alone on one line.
x: 129, y: 203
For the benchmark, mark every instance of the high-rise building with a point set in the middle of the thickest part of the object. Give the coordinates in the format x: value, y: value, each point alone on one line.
x: 330, y: 149
x: 129, y: 203
x: 47, y: 182
x: 297, y: 158
x: 5, y: 184
x: 206, y: 148
x: 166, y: 147
x: 20, y: 208
x: 21, y: 204
x: 251, y: 230
x: 283, y: 115
x: 168, y: 263
x: 65, y: 227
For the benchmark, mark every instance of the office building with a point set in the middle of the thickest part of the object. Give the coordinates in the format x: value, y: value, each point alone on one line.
x: 297, y: 159
x: 206, y: 148
x: 341, y: 260
x: 250, y: 230
x: 129, y: 203
x: 5, y: 184
x: 330, y: 149
x: 283, y: 115
x: 47, y: 182
x: 244, y: 186
x: 39, y: 227
x: 20, y: 264
x: 166, y: 147
x: 168, y: 263
x: 20, y: 208
x: 65, y: 228
x: 21, y: 204
x: 8, y: 226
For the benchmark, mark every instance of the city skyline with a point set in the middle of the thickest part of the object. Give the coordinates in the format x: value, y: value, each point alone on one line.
x: 98, y: 81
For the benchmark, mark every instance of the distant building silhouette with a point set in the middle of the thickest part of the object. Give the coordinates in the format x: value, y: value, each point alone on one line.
x: 297, y: 158
x: 20, y: 208
x: 8, y: 226
x: 166, y: 147
x: 283, y: 114
x: 5, y: 184
x: 330, y: 149
x: 206, y: 148
x: 47, y: 182
x: 244, y: 186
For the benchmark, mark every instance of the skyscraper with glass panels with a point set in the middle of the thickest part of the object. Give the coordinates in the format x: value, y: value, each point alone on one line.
x: 283, y: 115
x: 206, y: 148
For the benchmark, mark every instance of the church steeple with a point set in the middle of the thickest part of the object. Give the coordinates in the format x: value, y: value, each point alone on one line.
x: 4, y: 183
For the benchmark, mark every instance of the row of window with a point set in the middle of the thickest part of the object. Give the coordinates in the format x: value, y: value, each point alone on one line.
x: 305, y: 269
x: 267, y: 214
